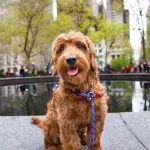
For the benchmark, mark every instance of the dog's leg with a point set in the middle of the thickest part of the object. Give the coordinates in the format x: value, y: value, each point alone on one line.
x: 54, y: 148
x: 51, y: 148
x: 82, y: 132
x: 97, y: 144
x: 37, y: 121
x: 68, y: 135
x: 99, y: 125
x: 51, y: 137
x: 51, y: 129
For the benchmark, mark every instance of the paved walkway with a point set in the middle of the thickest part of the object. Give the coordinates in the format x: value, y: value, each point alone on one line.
x: 124, y: 131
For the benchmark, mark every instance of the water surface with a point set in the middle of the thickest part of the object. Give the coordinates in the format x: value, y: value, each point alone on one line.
x: 32, y: 99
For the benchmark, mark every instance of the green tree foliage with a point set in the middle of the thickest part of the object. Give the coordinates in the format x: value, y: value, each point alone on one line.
x: 22, y: 27
x: 117, y: 64
x: 81, y: 13
x: 114, y: 36
x: 30, y: 30
x: 63, y: 24
x: 118, y: 5
x: 6, y: 31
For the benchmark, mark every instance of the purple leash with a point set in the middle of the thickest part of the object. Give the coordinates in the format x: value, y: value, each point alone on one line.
x: 90, y: 98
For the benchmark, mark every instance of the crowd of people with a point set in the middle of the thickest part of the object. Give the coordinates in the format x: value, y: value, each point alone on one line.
x: 14, y: 72
x: 23, y: 72
x: 141, y: 67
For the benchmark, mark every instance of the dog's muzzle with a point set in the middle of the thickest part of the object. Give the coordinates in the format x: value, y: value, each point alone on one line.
x: 71, y: 60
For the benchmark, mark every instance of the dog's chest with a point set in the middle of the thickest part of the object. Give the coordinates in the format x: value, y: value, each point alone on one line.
x: 74, y: 107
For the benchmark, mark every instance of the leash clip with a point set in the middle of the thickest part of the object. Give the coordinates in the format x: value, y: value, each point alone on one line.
x: 90, y: 97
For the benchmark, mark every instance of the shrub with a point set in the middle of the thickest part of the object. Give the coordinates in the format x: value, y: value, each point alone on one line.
x: 119, y: 63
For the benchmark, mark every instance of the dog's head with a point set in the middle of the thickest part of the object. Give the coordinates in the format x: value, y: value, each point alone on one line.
x: 73, y: 57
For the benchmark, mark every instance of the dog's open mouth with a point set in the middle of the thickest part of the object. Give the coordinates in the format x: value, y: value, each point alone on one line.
x: 72, y: 71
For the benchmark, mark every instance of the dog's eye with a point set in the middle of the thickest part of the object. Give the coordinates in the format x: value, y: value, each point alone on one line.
x: 61, y: 48
x: 80, y: 45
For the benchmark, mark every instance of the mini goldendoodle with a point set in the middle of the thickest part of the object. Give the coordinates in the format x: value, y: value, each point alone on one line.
x: 67, y: 123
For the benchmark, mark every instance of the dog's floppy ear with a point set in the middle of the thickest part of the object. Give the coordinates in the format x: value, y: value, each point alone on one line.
x: 93, y: 60
x: 54, y: 68
x: 92, y: 54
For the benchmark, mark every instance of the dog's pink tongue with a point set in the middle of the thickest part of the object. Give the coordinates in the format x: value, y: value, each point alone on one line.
x: 72, y: 71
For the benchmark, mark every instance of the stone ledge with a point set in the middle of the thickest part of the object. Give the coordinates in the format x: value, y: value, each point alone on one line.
x: 123, y: 131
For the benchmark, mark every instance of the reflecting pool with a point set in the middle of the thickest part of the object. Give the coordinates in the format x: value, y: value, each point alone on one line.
x: 32, y: 99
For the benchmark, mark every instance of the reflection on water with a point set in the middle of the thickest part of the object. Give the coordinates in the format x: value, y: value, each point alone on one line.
x: 120, y: 96
x: 137, y: 100
x: 24, y: 99
x: 32, y: 99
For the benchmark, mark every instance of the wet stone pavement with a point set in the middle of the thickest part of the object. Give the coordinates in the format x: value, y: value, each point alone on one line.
x: 123, y: 131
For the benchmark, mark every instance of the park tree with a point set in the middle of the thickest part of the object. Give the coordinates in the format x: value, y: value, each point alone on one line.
x: 30, y: 30
x: 118, y: 5
x: 30, y: 18
x: 81, y: 13
x: 113, y: 35
x: 6, y: 29
x: 23, y: 26
x: 46, y: 37
x: 63, y: 24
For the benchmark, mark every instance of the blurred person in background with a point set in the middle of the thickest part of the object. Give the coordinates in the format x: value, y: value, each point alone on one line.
x: 33, y: 69
x: 22, y: 71
x: 140, y: 67
x: 15, y: 72
x: 146, y: 67
x: 8, y: 72
x: 2, y: 73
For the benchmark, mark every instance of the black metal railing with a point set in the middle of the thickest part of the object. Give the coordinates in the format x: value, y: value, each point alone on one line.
x: 103, y: 77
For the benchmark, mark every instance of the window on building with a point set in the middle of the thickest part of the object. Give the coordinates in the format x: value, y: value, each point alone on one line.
x: 8, y: 60
x: 126, y: 16
x: 100, y: 57
x: 101, y: 10
x: 100, y: 50
x: 113, y: 56
x: 118, y: 56
x: 1, y: 2
x: 1, y: 62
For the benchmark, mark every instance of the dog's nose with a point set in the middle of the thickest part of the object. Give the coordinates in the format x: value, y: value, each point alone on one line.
x: 71, y: 60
